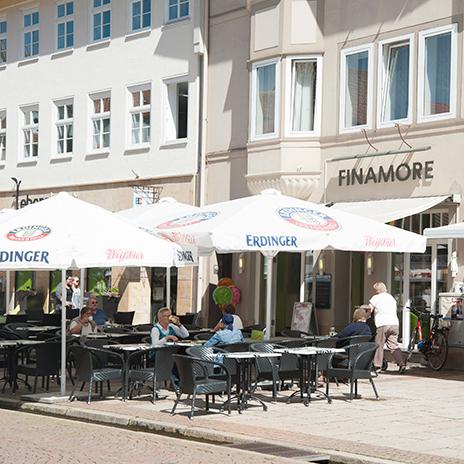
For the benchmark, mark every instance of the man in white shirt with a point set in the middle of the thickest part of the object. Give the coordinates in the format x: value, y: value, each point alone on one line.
x: 167, y: 329
x: 387, y: 324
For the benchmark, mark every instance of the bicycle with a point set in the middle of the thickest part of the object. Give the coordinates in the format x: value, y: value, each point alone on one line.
x: 435, y: 346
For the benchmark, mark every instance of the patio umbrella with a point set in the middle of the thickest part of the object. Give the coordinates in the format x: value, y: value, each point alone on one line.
x: 449, y: 231
x: 49, y: 235
x: 271, y: 222
x: 148, y: 216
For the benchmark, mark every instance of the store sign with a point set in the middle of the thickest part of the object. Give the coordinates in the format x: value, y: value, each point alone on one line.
x: 403, y: 172
x: 29, y: 200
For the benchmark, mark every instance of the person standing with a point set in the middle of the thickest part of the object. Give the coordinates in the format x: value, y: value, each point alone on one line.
x: 76, y: 296
x: 69, y: 294
x: 386, y: 321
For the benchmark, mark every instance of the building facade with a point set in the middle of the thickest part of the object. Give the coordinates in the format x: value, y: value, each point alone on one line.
x: 101, y: 98
x: 342, y: 103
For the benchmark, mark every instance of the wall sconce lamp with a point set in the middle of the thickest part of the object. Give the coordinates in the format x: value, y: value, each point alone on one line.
x: 370, y: 263
x: 241, y: 263
x: 321, y: 265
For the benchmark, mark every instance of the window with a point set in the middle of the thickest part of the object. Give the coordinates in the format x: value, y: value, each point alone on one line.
x: 30, y: 129
x: 101, y: 20
x: 31, y: 34
x: 302, y: 96
x: 140, y: 112
x: 264, y: 99
x: 140, y: 14
x: 178, y: 9
x: 356, y: 88
x: 395, y: 80
x: 177, y: 111
x: 101, y: 117
x: 64, y: 127
x: 3, y: 41
x: 2, y: 135
x: 65, y: 25
x: 437, y: 73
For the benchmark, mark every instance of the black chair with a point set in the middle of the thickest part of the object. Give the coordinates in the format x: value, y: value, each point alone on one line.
x: 360, y: 359
x: 353, y: 339
x: 51, y: 319
x: 294, y: 333
x: 293, y: 343
x: 194, y: 379
x: 124, y: 317
x: 147, y: 339
x: 42, y: 360
x: 139, y: 369
x: 10, y: 318
x: 19, y: 328
x: 235, y: 347
x: 72, y: 313
x: 187, y: 319
x: 143, y: 327
x: 9, y: 335
x: 203, y: 336
x: 86, y: 361
x: 117, y: 330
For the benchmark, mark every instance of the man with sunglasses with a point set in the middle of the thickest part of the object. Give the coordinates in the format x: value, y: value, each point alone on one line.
x: 99, y: 316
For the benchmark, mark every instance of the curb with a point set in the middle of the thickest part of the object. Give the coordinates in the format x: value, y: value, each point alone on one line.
x: 199, y: 434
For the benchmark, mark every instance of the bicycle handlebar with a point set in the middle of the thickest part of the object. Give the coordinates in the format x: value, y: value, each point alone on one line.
x: 424, y: 312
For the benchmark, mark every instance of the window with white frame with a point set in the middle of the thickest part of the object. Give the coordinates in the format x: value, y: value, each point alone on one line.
x: 140, y: 115
x: 3, y: 40
x: 30, y: 130
x: 177, y: 111
x: 101, y: 20
x: 264, y: 99
x: 303, y: 95
x: 178, y: 9
x: 2, y: 135
x: 395, y: 80
x: 356, y: 77
x: 64, y: 25
x: 101, y: 119
x: 31, y: 33
x: 437, y: 73
x: 140, y: 14
x: 64, y: 127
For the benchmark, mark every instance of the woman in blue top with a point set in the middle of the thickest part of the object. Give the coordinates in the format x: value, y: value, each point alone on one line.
x: 167, y: 329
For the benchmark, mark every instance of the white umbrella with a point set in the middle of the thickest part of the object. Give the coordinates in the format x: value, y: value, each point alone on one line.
x: 148, y: 216
x: 49, y: 235
x: 271, y: 222
x: 450, y: 231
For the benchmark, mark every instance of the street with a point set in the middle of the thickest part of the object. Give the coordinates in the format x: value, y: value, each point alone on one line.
x: 39, y: 439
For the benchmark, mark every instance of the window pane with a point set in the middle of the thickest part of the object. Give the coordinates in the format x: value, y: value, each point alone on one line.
x: 184, y: 9
x: 437, y: 74
x: 265, y: 99
x: 69, y: 111
x: 146, y: 97
x: 136, y: 98
x: 135, y: 136
x: 70, y: 8
x: 304, y: 95
x: 61, y: 112
x: 182, y: 110
x: 106, y: 140
x: 396, y: 85
x: 61, y: 11
x: 106, y: 104
x: 60, y: 146
x: 97, y: 106
x: 172, y: 12
x: 136, y: 121
x: 356, y: 86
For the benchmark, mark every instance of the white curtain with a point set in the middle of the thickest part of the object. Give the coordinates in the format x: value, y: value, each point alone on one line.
x: 265, y: 99
x: 304, y: 95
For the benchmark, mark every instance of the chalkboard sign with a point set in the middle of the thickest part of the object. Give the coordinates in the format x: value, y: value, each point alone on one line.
x: 301, y: 318
x: 323, y: 290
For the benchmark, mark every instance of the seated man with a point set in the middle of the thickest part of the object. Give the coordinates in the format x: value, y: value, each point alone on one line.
x: 99, y: 316
x: 83, y: 325
x: 226, y: 334
x: 167, y: 329
x: 357, y: 327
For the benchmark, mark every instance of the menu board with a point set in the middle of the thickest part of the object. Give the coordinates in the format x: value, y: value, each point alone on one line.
x: 304, y: 318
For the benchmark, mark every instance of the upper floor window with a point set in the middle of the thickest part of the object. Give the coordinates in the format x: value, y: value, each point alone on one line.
x: 101, y: 118
x: 265, y: 87
x: 3, y: 41
x: 2, y: 135
x: 177, y: 104
x: 395, y: 82
x: 31, y: 33
x: 101, y: 20
x: 437, y: 73
x: 65, y: 25
x: 30, y: 130
x: 140, y: 115
x: 64, y: 127
x: 356, y: 90
x: 140, y: 14
x: 178, y: 9
x: 303, y: 96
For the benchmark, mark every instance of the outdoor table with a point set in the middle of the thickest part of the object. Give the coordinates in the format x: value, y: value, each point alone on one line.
x: 101, y: 335
x: 309, y: 372
x: 38, y: 328
x: 11, y: 347
x: 245, y: 363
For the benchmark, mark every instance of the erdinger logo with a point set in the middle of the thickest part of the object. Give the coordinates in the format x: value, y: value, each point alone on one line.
x: 28, y: 233
x: 189, y: 220
x: 309, y: 219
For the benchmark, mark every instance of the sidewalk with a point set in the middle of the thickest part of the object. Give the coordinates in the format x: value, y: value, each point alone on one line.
x: 418, y: 419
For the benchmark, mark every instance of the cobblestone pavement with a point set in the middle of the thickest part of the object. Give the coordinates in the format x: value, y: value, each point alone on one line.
x: 34, y: 439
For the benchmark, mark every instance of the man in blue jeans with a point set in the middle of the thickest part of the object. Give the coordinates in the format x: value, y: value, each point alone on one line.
x: 227, y: 334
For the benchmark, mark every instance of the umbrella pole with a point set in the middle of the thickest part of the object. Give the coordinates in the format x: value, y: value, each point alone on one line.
x: 63, y: 333
x: 7, y: 292
x: 168, y: 287
x: 82, y: 281
x: 268, y: 259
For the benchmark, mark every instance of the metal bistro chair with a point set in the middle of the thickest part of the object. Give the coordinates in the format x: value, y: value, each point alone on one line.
x: 160, y: 371
x: 294, y: 333
x: 124, y: 317
x: 360, y: 360
x: 203, y: 336
x: 84, y: 360
x: 195, y: 380
x: 143, y: 327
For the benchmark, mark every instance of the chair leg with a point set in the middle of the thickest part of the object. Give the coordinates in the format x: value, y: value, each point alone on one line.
x: 108, y: 385
x: 48, y: 383
x: 351, y: 389
x: 375, y: 389
x: 176, y: 402
x: 356, y: 388
x: 154, y: 390
x: 192, y: 409
x: 101, y: 389
x: 35, y: 384
x: 327, y: 388
x: 71, y: 396
x: 207, y: 402
x: 82, y: 386
x: 89, y: 398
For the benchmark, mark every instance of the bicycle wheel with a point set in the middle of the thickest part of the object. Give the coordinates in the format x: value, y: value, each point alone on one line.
x: 412, y: 342
x: 438, y: 351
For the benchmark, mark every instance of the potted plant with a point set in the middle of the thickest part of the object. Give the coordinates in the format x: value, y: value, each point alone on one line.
x: 110, y: 298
